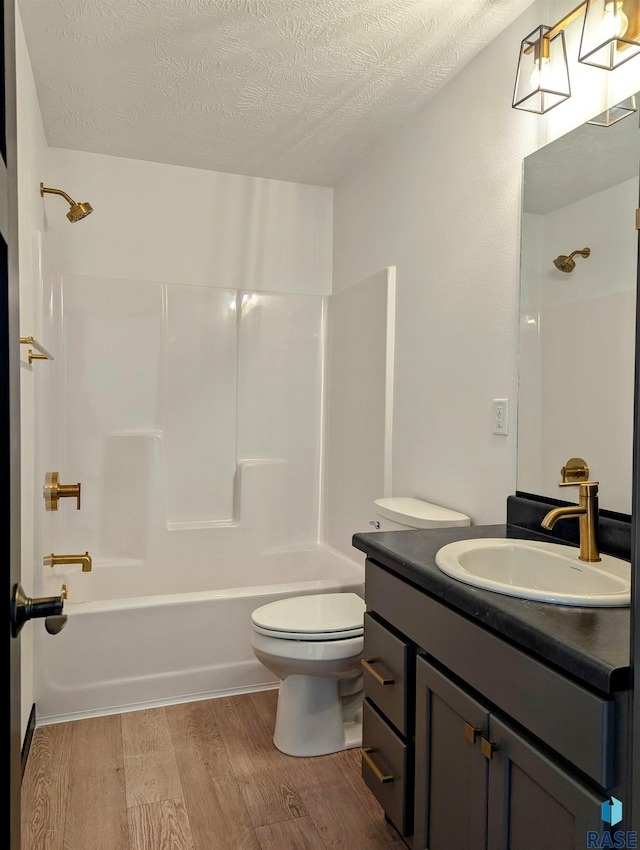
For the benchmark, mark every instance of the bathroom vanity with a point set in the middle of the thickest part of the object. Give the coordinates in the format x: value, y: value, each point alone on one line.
x: 488, y: 721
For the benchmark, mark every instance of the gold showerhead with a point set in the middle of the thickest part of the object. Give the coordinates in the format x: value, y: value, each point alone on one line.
x: 77, y: 211
x: 568, y: 264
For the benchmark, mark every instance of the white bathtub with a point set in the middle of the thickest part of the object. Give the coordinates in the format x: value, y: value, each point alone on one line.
x: 122, y: 649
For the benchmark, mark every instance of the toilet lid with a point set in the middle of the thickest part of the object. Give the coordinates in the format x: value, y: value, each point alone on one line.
x: 321, y: 616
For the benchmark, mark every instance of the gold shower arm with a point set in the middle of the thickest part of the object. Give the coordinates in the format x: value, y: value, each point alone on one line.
x: 43, y: 355
x: 44, y: 189
x: 76, y: 211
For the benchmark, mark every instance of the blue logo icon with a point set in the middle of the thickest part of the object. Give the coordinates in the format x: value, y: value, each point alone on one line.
x: 612, y: 811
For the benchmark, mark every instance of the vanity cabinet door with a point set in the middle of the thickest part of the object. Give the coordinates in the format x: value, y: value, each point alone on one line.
x: 451, y: 773
x: 532, y: 801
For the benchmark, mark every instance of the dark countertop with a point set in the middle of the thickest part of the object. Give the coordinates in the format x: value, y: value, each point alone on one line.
x: 589, y: 644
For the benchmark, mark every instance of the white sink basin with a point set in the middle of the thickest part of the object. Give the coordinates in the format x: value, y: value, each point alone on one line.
x: 546, y: 572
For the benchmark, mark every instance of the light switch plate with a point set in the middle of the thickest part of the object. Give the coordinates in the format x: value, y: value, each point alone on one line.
x: 501, y: 416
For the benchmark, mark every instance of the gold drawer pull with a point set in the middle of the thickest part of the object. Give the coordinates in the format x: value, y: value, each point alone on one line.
x: 471, y: 732
x: 368, y: 667
x: 379, y: 775
x: 488, y: 748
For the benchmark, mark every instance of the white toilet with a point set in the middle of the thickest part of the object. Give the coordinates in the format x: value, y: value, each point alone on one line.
x: 314, y: 644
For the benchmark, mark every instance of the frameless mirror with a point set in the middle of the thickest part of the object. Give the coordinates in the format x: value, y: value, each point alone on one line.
x: 579, y: 259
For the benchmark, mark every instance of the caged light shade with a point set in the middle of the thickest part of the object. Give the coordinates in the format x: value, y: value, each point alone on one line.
x: 610, y: 33
x: 542, y: 80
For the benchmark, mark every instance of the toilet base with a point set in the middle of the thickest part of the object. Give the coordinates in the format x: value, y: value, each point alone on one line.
x: 311, y: 718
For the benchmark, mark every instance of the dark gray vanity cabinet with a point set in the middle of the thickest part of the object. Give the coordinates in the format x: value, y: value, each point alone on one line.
x: 481, y: 746
x: 480, y: 783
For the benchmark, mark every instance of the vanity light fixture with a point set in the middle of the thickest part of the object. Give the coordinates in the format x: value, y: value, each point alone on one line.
x: 542, y: 81
x: 610, y: 36
x: 610, y: 33
x: 615, y: 113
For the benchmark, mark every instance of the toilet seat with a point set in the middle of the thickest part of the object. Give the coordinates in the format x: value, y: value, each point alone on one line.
x: 316, y: 617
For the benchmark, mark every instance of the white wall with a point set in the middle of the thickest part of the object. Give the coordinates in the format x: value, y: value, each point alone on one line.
x: 187, y: 384
x: 31, y: 153
x: 183, y: 225
x: 440, y: 199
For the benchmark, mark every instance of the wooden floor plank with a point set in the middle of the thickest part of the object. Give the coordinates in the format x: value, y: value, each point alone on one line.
x: 271, y: 796
x: 96, y: 809
x: 44, y: 788
x: 145, y: 731
x: 299, y: 834
x: 341, y: 822
x: 265, y: 704
x: 202, y: 775
x: 150, y: 766
x: 335, y: 807
x: 158, y: 825
x: 196, y: 737
x: 152, y: 778
x: 243, y: 733
x: 218, y: 816
x: 261, y: 770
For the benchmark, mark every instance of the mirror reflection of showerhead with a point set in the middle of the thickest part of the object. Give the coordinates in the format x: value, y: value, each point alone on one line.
x: 77, y: 211
x: 566, y: 263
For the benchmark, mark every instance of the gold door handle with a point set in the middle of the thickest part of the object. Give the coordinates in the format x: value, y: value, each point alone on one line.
x: 52, y: 492
x: 488, y: 748
x: 367, y: 665
x: 379, y: 775
x: 471, y: 733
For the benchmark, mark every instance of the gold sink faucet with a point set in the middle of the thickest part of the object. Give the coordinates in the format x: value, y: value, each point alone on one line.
x: 53, y: 561
x: 587, y: 513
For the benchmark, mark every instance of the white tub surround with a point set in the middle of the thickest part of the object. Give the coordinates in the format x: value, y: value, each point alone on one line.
x: 139, y: 634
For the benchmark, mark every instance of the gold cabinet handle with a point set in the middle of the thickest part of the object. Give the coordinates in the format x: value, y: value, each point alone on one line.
x: 471, y: 733
x: 367, y: 665
x: 488, y: 748
x: 379, y: 775
x: 52, y: 492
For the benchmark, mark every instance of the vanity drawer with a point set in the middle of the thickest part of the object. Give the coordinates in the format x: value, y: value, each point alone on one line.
x: 385, y: 766
x: 385, y: 665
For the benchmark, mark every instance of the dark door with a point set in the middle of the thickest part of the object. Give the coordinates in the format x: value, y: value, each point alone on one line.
x: 451, y: 772
x: 532, y: 801
x: 10, y: 391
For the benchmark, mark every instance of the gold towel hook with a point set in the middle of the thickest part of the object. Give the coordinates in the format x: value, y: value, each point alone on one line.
x: 43, y: 354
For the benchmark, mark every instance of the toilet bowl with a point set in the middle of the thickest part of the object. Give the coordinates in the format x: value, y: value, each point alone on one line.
x: 314, y: 644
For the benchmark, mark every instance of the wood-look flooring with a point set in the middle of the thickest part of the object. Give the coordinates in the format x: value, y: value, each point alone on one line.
x: 196, y: 776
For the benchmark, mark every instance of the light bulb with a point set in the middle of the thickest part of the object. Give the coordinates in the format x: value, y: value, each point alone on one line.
x: 615, y: 22
x: 540, y: 72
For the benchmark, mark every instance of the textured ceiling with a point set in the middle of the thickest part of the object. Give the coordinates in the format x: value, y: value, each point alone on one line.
x: 291, y: 89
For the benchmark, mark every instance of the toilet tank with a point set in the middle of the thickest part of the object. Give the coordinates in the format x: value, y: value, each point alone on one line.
x: 401, y: 513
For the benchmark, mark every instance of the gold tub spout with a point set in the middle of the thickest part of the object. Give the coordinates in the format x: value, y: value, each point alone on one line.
x: 587, y: 513
x: 54, y: 560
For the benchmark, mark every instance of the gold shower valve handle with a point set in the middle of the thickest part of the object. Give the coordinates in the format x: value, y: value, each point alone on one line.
x: 52, y: 492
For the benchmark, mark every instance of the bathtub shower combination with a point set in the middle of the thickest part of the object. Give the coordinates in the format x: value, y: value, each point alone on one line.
x: 192, y: 417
